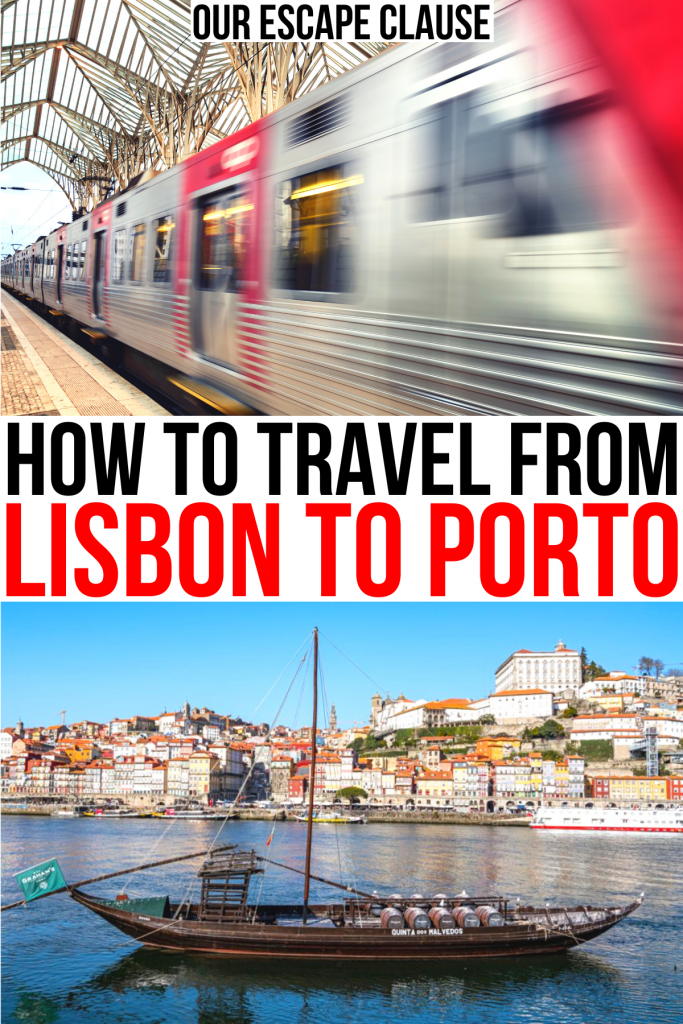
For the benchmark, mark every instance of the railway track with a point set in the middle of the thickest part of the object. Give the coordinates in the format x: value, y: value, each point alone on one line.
x: 163, y: 384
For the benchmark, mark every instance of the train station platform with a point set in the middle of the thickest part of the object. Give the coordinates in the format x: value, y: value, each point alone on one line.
x: 45, y: 373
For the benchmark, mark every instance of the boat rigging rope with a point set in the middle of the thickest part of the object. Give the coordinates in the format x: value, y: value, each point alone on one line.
x: 357, y: 667
x: 547, y: 930
x: 267, y: 737
x: 296, y: 653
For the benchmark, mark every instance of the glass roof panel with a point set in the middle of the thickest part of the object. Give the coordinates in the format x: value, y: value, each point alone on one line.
x: 98, y: 90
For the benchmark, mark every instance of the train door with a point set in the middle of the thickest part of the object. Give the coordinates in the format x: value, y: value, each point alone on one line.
x: 224, y: 229
x: 33, y: 266
x: 98, y: 275
x: 41, y: 271
x: 60, y: 271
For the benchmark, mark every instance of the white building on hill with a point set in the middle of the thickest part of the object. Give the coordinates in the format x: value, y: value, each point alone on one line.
x: 522, y: 703
x: 426, y: 714
x: 558, y: 671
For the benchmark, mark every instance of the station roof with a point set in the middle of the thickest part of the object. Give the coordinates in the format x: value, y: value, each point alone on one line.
x: 96, y: 91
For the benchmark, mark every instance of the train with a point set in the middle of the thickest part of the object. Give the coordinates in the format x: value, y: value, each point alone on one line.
x: 449, y: 228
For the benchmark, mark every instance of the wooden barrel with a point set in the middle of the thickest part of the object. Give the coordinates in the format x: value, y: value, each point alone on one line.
x: 417, y: 919
x: 465, y: 917
x: 490, y: 917
x: 441, y: 918
x: 392, y: 918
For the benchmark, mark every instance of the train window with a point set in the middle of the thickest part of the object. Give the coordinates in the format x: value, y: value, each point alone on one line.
x: 429, y: 168
x: 224, y: 233
x: 67, y: 269
x: 316, y: 231
x: 82, y: 264
x: 137, y: 252
x: 535, y: 172
x: 119, y: 261
x: 163, y: 228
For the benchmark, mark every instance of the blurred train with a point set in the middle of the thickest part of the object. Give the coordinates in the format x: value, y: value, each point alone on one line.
x: 470, y: 227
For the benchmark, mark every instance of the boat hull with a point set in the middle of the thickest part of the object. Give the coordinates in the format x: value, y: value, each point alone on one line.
x: 334, y: 943
x: 605, y: 828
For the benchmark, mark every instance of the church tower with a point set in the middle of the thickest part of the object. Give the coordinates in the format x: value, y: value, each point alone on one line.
x: 375, y: 709
x: 333, y: 719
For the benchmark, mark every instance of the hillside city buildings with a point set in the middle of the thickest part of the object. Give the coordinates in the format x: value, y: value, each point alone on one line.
x: 414, y: 753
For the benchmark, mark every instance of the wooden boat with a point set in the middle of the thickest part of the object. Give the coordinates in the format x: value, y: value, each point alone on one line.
x: 352, y: 930
x: 362, y: 926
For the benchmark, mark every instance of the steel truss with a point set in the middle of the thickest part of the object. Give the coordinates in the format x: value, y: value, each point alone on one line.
x: 96, y: 91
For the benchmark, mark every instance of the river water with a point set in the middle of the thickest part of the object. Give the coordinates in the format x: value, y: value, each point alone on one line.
x: 63, y: 964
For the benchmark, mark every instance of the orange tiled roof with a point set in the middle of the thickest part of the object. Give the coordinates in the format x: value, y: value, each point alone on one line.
x: 451, y: 702
x: 516, y: 693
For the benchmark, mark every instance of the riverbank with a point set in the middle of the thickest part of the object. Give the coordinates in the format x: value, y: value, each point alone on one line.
x: 417, y: 817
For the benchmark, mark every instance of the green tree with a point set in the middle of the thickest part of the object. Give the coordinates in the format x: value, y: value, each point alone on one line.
x: 592, y: 670
x: 550, y: 730
x: 596, y: 750
x: 570, y: 712
x: 351, y: 793
x: 487, y: 720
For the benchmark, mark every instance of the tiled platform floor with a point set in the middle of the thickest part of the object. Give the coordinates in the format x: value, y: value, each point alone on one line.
x: 44, y: 373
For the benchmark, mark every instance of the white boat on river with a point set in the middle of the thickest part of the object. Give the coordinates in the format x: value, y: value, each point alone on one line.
x: 609, y: 819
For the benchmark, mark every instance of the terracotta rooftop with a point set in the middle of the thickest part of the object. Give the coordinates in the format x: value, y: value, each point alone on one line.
x: 516, y: 693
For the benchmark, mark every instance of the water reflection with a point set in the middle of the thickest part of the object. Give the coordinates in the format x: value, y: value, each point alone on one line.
x: 227, y: 990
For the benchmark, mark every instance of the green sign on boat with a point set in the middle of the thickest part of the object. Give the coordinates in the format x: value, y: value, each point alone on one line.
x: 40, y: 880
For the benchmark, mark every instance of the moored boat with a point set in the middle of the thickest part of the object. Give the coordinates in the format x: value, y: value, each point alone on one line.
x: 360, y: 928
x: 109, y: 812
x: 188, y: 815
x: 334, y: 819
x: 610, y: 819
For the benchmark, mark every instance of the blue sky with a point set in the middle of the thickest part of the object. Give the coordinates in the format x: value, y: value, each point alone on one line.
x: 100, y: 661
x: 26, y: 215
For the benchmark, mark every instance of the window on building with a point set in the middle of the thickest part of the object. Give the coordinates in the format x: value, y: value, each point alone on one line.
x: 316, y: 231
x: 225, y: 229
x: 163, y: 229
x: 137, y: 252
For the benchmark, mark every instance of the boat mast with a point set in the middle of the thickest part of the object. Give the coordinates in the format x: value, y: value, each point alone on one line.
x: 311, y: 790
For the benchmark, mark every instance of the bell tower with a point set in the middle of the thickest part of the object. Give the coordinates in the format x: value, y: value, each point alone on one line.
x: 375, y: 709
